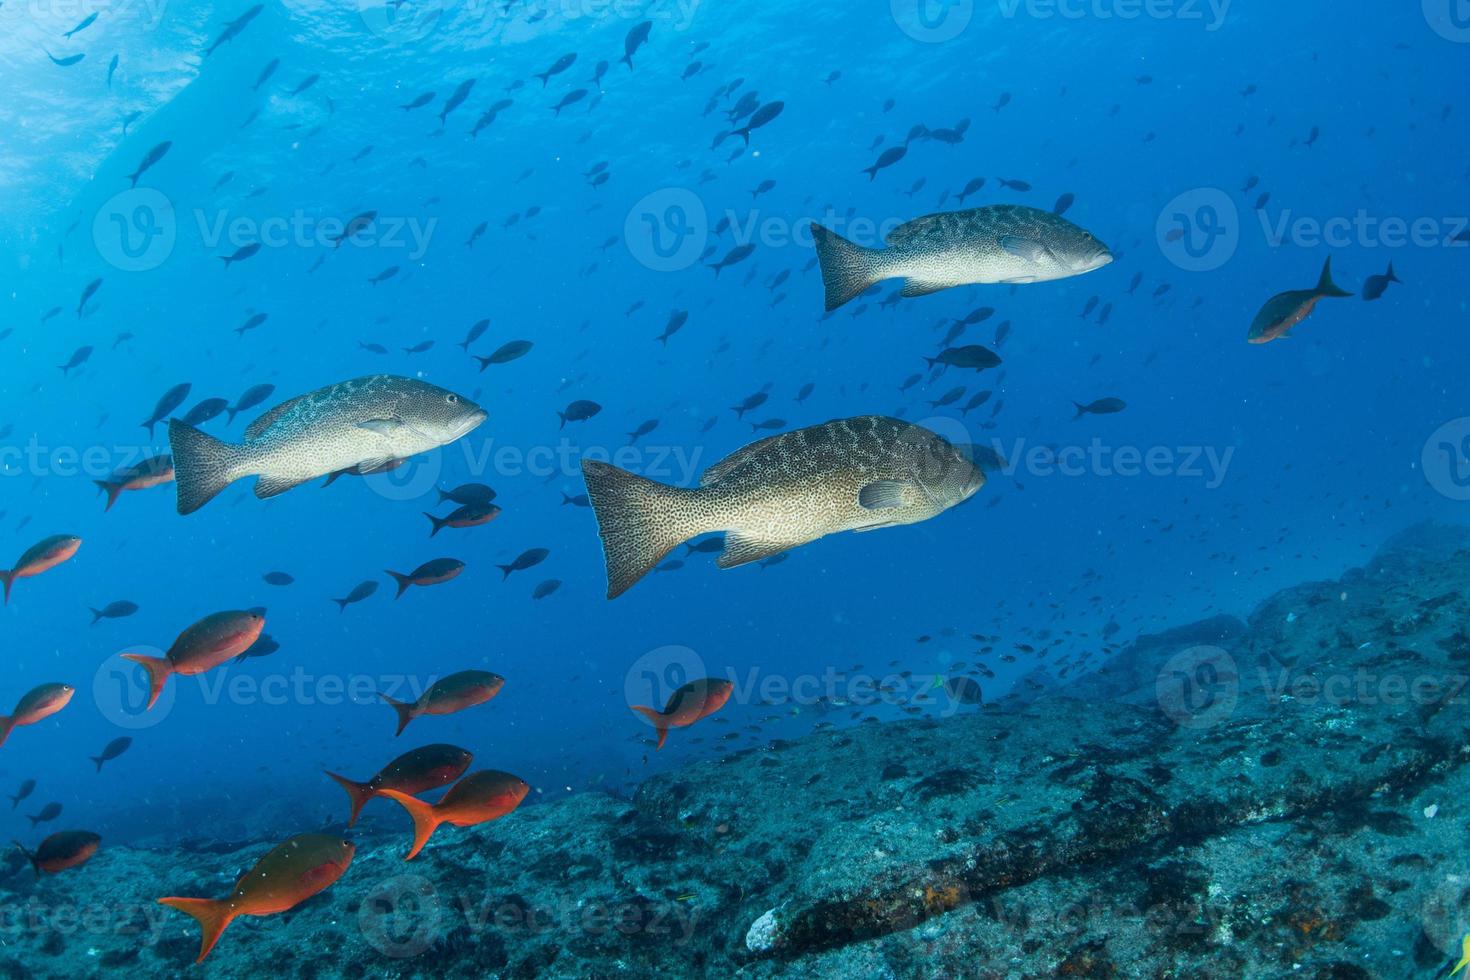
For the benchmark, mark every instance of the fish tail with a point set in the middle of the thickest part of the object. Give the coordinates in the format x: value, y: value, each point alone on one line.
x: 14, y: 802
x: 158, y: 670
x: 425, y: 819
x: 358, y: 793
x: 97, y: 759
x: 133, y: 178
x: 211, y: 914
x: 1325, y: 285
x: 1391, y: 276
x: 404, y: 581
x: 847, y: 269
x: 562, y: 416
x: 407, y: 711
x: 7, y: 724
x: 230, y: 419
x: 640, y: 521
x: 656, y: 719
x: 30, y: 856
x: 203, y: 465
x: 8, y: 578
x: 111, y: 489
x: 1081, y: 410
x: 96, y: 615
x: 438, y: 524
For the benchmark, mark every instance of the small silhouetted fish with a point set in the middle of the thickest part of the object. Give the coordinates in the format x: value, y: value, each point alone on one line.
x: 1377, y: 285
x: 1103, y: 406
x: 78, y: 358
x: 1285, y: 310
x: 208, y: 409
x: 434, y: 572
x: 86, y: 23
x: 120, y: 609
x: 373, y: 348
x: 887, y: 158
x: 456, y: 99
x: 26, y: 789
x: 475, y: 333
x: 571, y: 98
x: 735, y: 256
x: 66, y: 62
x: 48, y: 812
x: 384, y: 276
x: 233, y: 28
x: 152, y: 157
x: 972, y: 356
x: 557, y: 67
x: 88, y: 291
x: 578, y: 411
x: 112, y: 750
x: 305, y: 84
x: 506, y: 353
x: 171, y: 400
x: 240, y: 254
x: 359, y: 592
x: 419, y: 102
x: 762, y: 116
x: 677, y: 319
x: 526, y: 559
x: 546, y: 588
x: 575, y: 500
x: 265, y: 73
x: 643, y: 429
x: 635, y: 40
x: 250, y: 324
x: 277, y: 578
x: 253, y: 396
x: 469, y: 493
x: 1063, y: 205
x: 419, y: 348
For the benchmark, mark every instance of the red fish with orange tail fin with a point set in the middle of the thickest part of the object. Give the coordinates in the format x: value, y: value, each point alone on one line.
x: 695, y: 700
x: 63, y: 849
x: 40, y: 557
x: 478, y: 798
x: 37, y: 704
x: 448, y: 695
x: 213, y: 640
x: 412, y: 772
x: 290, y: 874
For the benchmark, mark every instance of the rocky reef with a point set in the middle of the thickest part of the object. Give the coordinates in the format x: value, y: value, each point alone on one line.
x: 1283, y: 796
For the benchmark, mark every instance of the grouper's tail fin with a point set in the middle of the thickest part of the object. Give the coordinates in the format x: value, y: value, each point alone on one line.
x: 1325, y: 285
x: 203, y: 465
x: 847, y: 269
x: 640, y: 521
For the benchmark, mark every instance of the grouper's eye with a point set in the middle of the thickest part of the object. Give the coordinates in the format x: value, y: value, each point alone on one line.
x: 452, y: 399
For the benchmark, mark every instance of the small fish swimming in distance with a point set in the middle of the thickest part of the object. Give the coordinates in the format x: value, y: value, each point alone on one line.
x: 412, y: 772
x: 447, y: 696
x: 1285, y: 310
x: 360, y: 423
x: 1002, y: 243
x: 855, y: 474
x: 691, y: 702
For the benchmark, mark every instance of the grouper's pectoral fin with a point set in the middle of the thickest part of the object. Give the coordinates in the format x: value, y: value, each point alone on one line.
x: 921, y: 287
x: 743, y: 547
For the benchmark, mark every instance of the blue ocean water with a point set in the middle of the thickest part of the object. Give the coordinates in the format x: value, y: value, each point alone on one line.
x: 1234, y: 470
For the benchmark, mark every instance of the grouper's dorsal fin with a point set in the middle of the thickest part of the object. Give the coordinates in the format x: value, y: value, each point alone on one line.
x: 258, y: 427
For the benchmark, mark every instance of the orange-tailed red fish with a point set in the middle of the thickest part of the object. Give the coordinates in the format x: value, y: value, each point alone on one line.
x: 475, y: 799
x: 412, y: 772
x: 37, y: 704
x: 62, y: 850
x: 434, y: 572
x: 695, y: 700
x: 290, y: 874
x: 154, y: 472
x: 41, y: 557
x: 448, y: 695
x: 210, y: 642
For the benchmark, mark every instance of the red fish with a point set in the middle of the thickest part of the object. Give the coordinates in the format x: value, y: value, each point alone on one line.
x: 38, y: 703
x: 470, y: 515
x: 154, y: 472
x: 695, y: 700
x: 41, y: 557
x: 475, y: 799
x: 1285, y: 310
x: 62, y: 850
x: 413, y: 772
x: 205, y: 645
x: 448, y: 695
x: 290, y: 874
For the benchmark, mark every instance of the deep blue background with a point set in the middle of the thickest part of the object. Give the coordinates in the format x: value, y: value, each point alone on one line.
x: 1325, y: 431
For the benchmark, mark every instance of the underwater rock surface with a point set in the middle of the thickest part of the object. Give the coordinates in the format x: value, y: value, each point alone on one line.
x: 1284, y: 796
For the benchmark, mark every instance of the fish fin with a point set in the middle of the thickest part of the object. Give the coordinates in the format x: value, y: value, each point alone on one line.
x: 407, y: 711
x: 30, y: 856
x: 847, y: 269
x: 656, y: 719
x: 872, y: 527
x: 425, y: 819
x: 383, y: 427
x: 640, y: 521
x: 111, y: 489
x: 158, y: 670
x: 742, y: 548
x: 96, y: 615
x: 921, y: 287
x: 203, y: 465
x: 438, y: 524
x: 8, y: 578
x: 404, y: 581
x: 1391, y: 276
x: 97, y: 759
x: 273, y: 486
x: 257, y: 428
x: 211, y: 914
x: 358, y: 793
x: 7, y: 724
x: 1325, y: 285
x: 1017, y: 280
x: 1081, y: 411
x: 881, y: 495
x: 1021, y: 247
